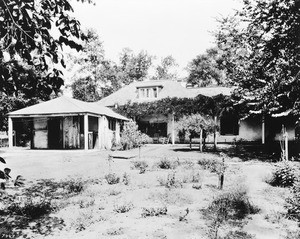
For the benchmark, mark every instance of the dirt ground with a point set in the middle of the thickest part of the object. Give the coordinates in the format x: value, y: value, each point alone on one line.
x: 93, y: 213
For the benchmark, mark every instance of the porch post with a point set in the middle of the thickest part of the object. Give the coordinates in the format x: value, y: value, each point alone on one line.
x: 99, y: 131
x: 263, y: 130
x: 173, y: 129
x: 86, y: 132
x: 10, y: 132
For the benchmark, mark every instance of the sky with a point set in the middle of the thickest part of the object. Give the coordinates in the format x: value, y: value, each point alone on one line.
x: 181, y: 28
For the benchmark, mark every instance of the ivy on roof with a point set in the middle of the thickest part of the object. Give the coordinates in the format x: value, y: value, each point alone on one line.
x: 210, y: 106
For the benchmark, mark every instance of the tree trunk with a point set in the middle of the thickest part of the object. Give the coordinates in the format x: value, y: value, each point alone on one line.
x: 200, y: 143
x: 215, y: 134
x: 221, y: 181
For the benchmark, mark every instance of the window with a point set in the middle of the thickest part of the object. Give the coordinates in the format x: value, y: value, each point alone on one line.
x: 229, y: 124
x: 112, y: 124
x: 149, y: 92
x: 155, y: 92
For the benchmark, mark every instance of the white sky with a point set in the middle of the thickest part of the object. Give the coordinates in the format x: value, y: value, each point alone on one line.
x: 180, y: 28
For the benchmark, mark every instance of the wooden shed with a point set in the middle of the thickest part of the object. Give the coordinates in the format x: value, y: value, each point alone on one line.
x: 66, y: 123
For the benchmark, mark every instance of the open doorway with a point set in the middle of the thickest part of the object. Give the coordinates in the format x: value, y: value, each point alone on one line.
x: 54, y: 133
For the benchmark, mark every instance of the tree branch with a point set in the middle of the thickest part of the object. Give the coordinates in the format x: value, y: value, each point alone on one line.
x: 17, y: 25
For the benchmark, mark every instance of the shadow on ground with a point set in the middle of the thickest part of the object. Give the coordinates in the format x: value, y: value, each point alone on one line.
x: 270, y: 152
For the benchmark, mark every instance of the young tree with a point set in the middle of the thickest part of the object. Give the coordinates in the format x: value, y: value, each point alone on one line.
x: 196, y: 125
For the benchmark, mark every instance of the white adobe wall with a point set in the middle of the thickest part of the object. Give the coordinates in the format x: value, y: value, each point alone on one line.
x: 249, y: 130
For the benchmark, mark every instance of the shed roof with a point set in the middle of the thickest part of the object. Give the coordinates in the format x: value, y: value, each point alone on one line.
x: 65, y: 105
x: 169, y: 89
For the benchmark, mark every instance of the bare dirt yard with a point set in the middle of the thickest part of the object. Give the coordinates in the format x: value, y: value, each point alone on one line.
x: 167, y: 192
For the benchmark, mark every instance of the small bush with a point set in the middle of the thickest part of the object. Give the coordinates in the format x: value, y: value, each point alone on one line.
x: 293, y: 202
x: 231, y: 205
x: 112, y: 178
x: 115, y: 231
x: 238, y: 235
x: 131, y: 137
x: 126, y: 207
x: 74, y: 185
x: 197, y: 186
x: 293, y: 234
x: 171, y: 181
x: 126, y: 179
x: 284, y: 175
x: 154, y: 211
x: 165, y: 163
x: 196, y: 177
x: 142, y: 165
x: 114, y: 192
x: 33, y: 208
x: 213, y: 165
x: 86, y: 202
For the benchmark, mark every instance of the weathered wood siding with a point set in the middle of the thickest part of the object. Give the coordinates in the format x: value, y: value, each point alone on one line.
x: 71, y: 132
x: 40, y: 133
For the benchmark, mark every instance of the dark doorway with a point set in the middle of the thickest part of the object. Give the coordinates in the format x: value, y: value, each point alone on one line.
x: 54, y: 133
x: 152, y: 129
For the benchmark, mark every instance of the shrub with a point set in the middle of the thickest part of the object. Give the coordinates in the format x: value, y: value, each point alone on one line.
x: 238, y: 235
x: 114, y: 192
x: 293, y: 234
x: 126, y: 207
x: 131, y: 137
x: 171, y: 181
x: 74, y: 185
x: 142, y: 165
x: 154, y: 211
x: 115, y: 231
x: 231, y: 205
x: 196, y: 177
x: 165, y: 163
x: 213, y: 165
x: 197, y: 186
x: 112, y: 178
x: 293, y: 202
x: 33, y: 208
x: 284, y: 175
x: 126, y: 179
x: 86, y: 202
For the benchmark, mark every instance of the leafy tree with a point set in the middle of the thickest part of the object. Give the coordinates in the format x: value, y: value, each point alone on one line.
x: 98, y: 77
x: 163, y: 71
x: 87, y: 68
x: 85, y: 89
x: 262, y: 55
x: 134, y: 67
x: 195, y: 125
x: 206, y: 69
x: 31, y: 54
x: 28, y: 47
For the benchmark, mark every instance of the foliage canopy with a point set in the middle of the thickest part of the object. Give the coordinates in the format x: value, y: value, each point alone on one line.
x: 261, y: 47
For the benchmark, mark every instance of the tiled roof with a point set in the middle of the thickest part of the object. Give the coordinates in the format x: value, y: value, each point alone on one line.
x: 65, y: 105
x: 169, y: 89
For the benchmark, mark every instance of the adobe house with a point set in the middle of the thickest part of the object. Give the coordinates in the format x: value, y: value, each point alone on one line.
x: 66, y: 123
x: 254, y: 128
x: 160, y: 125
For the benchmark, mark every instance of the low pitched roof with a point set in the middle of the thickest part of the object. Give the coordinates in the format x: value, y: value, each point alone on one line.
x: 65, y: 105
x: 169, y: 89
